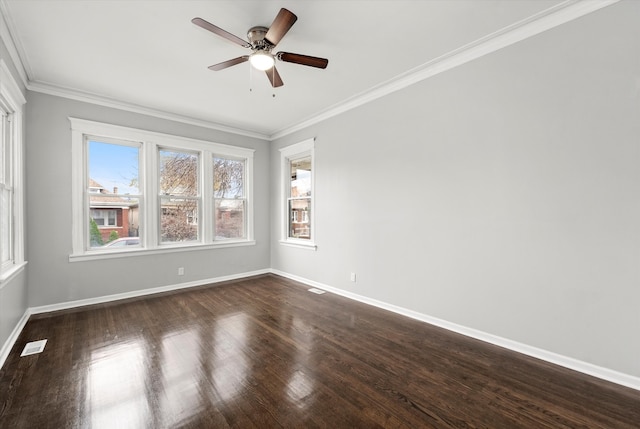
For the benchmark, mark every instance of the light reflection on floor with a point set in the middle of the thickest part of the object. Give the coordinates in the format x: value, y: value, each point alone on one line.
x: 300, y: 386
x: 194, y: 372
x: 230, y: 367
x: 115, y: 387
x: 180, y: 376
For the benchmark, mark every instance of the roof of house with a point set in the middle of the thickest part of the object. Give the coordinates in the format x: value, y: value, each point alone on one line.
x: 104, y: 198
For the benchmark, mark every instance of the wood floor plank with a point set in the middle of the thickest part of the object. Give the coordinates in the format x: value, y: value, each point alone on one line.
x: 263, y: 352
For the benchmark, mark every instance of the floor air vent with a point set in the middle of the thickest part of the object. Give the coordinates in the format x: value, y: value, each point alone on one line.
x: 33, y: 348
x: 318, y: 291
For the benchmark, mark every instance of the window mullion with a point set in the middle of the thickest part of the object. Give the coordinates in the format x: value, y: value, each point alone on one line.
x: 151, y: 213
x: 207, y: 221
x: 248, y: 198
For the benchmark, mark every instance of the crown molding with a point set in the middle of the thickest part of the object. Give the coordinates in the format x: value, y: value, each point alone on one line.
x: 531, y: 26
x: 547, y: 19
x: 9, y: 86
x: 6, y: 25
x: 50, y: 89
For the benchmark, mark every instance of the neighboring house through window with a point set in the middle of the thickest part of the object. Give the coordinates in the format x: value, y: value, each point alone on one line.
x: 115, y: 216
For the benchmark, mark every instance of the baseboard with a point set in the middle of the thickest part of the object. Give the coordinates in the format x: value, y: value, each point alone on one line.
x: 545, y: 355
x: 143, y: 292
x: 564, y: 361
x: 13, y: 337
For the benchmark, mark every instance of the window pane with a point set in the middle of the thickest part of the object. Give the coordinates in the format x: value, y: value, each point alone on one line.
x: 301, y: 177
x: 4, y: 146
x: 108, y: 224
x: 299, y: 218
x: 113, y: 168
x: 228, y: 178
x: 178, y: 173
x: 111, y: 218
x: 178, y: 220
x: 229, y: 219
x: 5, y: 226
x: 112, y: 192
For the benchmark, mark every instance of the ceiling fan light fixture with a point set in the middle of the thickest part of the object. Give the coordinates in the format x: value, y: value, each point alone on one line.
x: 262, y: 40
x: 262, y: 60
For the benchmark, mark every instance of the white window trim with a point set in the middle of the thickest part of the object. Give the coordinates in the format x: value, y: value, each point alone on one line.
x: 295, y: 151
x: 148, y: 167
x: 14, y: 100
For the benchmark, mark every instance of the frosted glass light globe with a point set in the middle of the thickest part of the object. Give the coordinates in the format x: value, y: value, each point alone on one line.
x: 262, y: 60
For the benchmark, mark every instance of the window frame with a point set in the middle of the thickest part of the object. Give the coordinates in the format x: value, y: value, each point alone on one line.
x: 89, y: 191
x: 244, y: 197
x: 198, y: 197
x: 11, y: 102
x: 149, y: 218
x: 288, y: 154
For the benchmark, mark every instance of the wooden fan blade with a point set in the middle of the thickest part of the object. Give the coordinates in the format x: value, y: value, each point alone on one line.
x: 283, y: 22
x: 220, y: 32
x: 304, y: 60
x: 225, y: 64
x: 274, y: 77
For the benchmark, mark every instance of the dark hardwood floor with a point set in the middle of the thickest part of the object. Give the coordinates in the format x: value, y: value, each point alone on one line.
x: 264, y: 352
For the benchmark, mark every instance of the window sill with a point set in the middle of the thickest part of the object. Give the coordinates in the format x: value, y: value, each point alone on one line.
x: 9, y: 274
x: 300, y: 244
x: 101, y: 254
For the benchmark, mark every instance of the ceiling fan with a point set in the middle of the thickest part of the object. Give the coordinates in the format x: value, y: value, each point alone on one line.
x: 262, y: 40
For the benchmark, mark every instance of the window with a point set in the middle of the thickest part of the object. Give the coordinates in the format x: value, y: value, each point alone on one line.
x: 112, y: 193
x: 139, y: 191
x: 6, y: 192
x: 179, y: 196
x: 104, y: 217
x: 298, y: 207
x: 299, y: 201
x: 11, y: 176
x: 229, y: 197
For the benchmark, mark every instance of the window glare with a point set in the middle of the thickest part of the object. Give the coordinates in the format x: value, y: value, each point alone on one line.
x: 301, y: 177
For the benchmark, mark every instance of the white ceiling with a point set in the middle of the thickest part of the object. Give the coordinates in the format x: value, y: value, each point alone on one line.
x: 149, y: 54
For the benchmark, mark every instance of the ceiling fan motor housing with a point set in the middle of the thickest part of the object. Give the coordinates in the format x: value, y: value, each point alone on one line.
x: 257, y: 40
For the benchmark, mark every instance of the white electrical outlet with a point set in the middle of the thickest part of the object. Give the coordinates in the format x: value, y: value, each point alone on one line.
x: 353, y: 277
x: 181, y: 271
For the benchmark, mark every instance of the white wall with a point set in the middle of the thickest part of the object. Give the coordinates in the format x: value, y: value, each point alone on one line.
x: 503, y: 195
x: 52, y: 278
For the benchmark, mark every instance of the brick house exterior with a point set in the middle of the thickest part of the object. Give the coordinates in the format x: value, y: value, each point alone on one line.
x: 112, y: 212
